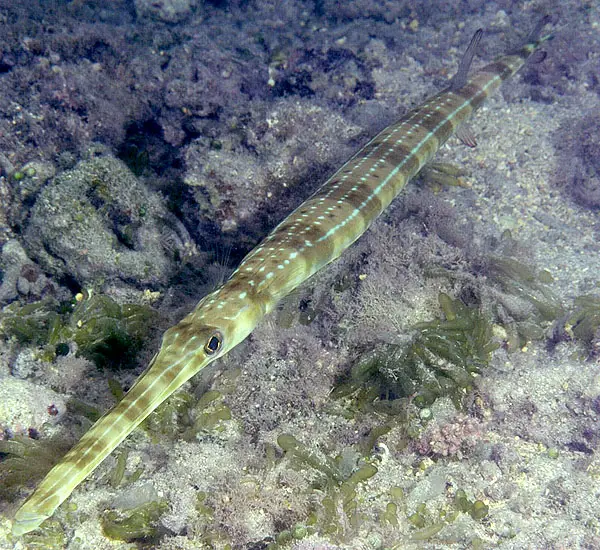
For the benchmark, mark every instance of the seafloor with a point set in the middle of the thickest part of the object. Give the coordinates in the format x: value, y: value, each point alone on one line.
x: 225, y: 116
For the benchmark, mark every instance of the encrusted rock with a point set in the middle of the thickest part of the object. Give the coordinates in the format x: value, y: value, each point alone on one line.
x: 98, y: 222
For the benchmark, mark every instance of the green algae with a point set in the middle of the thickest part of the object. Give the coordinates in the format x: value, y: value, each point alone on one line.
x: 201, y: 507
x: 520, y: 280
x: 79, y: 408
x: 183, y: 415
x: 418, y: 518
x: 428, y: 524
x: 440, y: 360
x: 553, y: 453
x: 300, y: 531
x: 116, y: 389
x: 361, y: 475
x: 390, y: 516
x: 48, y: 536
x: 118, y: 476
x: 208, y: 415
x: 31, y: 324
x: 24, y: 461
x: 477, y: 509
x: 338, y: 511
x: 305, y: 457
x: 212, y: 535
x: 118, y: 473
x: 107, y: 333
x: 442, y: 174
x: 428, y: 532
x: 518, y: 296
x: 583, y: 323
x: 136, y: 524
x: 168, y: 418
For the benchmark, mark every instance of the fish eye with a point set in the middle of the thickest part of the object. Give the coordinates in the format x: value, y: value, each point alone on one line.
x: 213, y: 344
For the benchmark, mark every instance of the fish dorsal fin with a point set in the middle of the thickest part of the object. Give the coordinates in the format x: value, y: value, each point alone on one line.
x: 534, y: 34
x: 461, y: 76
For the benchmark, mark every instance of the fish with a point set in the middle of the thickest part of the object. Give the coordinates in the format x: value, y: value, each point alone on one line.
x: 312, y: 236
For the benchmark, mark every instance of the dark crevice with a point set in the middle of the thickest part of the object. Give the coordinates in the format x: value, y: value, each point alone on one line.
x: 144, y: 149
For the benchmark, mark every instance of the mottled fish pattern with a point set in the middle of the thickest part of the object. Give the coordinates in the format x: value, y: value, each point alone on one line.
x: 313, y: 235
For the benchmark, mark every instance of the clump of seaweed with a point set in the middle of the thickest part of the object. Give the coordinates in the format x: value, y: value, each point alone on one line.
x: 519, y: 296
x: 477, y: 509
x: 136, y: 524
x: 526, y: 305
x: 168, y: 418
x: 428, y: 525
x: 184, y: 415
x: 440, y: 360
x: 79, y: 408
x: 303, y: 456
x: 583, y: 323
x: 31, y: 323
x: 117, y: 476
x: 49, y: 536
x: 443, y: 174
x: 105, y: 332
x: 208, y: 415
x: 25, y: 461
x: 338, y: 511
x: 518, y: 279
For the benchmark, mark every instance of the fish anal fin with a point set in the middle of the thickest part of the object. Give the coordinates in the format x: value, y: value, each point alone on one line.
x: 537, y: 57
x: 465, y: 134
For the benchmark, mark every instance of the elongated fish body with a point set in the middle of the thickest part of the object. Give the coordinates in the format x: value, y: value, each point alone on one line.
x: 313, y: 235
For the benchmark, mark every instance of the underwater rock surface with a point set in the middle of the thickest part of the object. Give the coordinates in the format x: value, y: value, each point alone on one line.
x: 97, y: 221
x: 229, y: 114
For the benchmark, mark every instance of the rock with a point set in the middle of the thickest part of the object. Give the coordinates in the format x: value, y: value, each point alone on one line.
x: 98, y: 222
x: 169, y: 11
